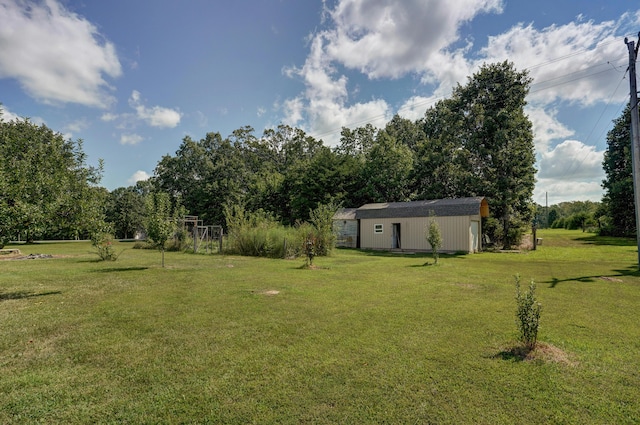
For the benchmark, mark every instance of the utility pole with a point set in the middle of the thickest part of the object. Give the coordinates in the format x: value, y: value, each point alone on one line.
x: 635, y: 134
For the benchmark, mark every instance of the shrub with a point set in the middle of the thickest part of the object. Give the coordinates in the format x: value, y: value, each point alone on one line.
x: 103, y: 243
x: 528, y: 314
x: 434, y: 237
x: 322, y: 220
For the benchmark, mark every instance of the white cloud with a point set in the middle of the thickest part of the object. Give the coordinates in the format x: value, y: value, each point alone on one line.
x: 138, y: 176
x: 7, y: 115
x: 546, y: 127
x: 261, y: 111
x: 572, y: 160
x: 386, y: 38
x: 155, y: 116
x: 561, y: 191
x: 415, y: 107
x: 324, y: 105
x: 572, y: 62
x: 108, y: 117
x: 130, y: 139
x: 55, y: 54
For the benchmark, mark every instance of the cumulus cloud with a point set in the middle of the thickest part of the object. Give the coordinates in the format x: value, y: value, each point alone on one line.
x: 546, y: 127
x: 130, y: 139
x: 387, y: 38
x: 572, y: 160
x: 7, y: 115
x: 380, y: 39
x: 56, y: 55
x: 138, y: 176
x: 155, y: 116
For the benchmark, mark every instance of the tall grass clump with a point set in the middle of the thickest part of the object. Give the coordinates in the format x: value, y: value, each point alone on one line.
x: 528, y: 314
x: 258, y: 234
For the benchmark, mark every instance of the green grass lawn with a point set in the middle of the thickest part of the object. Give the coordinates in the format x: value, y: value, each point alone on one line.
x: 365, y: 338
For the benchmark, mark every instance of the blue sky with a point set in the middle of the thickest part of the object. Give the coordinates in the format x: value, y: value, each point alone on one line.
x: 133, y: 78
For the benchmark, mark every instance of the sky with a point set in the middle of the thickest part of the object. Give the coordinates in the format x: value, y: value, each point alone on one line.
x: 133, y: 78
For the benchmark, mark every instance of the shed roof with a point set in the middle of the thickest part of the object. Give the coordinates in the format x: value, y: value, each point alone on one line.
x: 437, y: 207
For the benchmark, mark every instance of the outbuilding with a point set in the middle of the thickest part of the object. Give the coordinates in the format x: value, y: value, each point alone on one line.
x: 401, y: 225
x: 345, y: 226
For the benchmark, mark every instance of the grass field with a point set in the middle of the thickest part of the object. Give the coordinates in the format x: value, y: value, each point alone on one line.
x: 365, y: 338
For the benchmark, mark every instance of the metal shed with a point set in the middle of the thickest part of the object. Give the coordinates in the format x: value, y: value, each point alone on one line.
x: 401, y: 225
x: 345, y: 227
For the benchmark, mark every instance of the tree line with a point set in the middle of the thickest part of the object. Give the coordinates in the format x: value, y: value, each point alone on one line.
x: 477, y: 142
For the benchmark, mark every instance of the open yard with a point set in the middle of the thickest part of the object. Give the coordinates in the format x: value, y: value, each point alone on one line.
x: 364, y: 338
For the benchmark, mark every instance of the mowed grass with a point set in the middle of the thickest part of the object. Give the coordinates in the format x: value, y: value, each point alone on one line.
x: 365, y: 338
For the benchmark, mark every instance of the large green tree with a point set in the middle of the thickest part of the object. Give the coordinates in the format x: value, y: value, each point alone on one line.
x: 482, y: 144
x: 618, y: 184
x: 48, y: 190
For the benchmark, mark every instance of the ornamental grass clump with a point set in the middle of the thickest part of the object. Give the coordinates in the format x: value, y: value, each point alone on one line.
x: 528, y: 314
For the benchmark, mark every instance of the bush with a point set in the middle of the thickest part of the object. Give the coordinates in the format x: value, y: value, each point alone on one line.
x: 103, y: 243
x: 434, y: 237
x: 528, y: 314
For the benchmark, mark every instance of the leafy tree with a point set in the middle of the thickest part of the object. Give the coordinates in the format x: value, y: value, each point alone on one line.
x: 48, y: 190
x: 161, y: 223
x: 618, y: 184
x: 125, y: 211
x: 434, y: 237
x: 387, y: 170
x: 480, y: 142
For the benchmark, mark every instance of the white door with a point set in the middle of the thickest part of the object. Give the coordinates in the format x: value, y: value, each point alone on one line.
x: 475, y: 236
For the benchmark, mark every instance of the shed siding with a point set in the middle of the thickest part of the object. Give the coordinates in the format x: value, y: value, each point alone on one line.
x: 455, y: 233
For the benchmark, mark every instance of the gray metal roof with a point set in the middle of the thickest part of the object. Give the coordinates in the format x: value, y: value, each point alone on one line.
x: 437, y: 207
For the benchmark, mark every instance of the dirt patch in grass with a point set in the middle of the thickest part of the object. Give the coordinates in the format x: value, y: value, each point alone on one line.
x: 610, y: 279
x: 19, y: 256
x: 543, y: 352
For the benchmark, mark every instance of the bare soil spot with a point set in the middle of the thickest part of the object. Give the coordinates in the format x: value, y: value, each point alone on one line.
x: 610, y: 279
x: 543, y: 352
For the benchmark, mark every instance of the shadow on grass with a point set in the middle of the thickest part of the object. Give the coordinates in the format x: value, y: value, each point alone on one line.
x: 629, y: 271
x: 410, y: 254
x: 20, y: 295
x: 607, y: 240
x: 518, y: 353
x: 120, y: 269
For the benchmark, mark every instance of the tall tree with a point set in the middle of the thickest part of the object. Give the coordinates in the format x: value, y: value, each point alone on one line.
x: 48, y: 189
x: 618, y: 184
x: 484, y: 130
x: 387, y: 169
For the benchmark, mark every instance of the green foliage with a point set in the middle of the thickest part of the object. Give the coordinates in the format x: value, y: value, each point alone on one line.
x: 47, y: 189
x: 618, y: 184
x: 258, y: 234
x: 322, y: 220
x: 103, y: 243
x: 434, y: 237
x: 126, y: 210
x: 480, y: 143
x: 527, y: 314
x: 477, y: 143
x: 161, y: 223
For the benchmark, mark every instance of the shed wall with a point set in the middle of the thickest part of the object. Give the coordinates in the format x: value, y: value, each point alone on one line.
x: 346, y: 233
x: 455, y: 231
